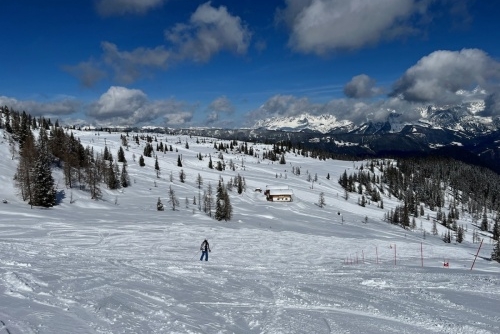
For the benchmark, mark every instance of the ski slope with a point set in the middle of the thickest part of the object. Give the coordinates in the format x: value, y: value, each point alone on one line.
x: 118, y: 265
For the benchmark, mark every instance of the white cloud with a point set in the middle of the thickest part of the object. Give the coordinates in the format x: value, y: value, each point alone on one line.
x: 209, y: 31
x: 218, y: 107
x: 129, y: 66
x: 48, y: 109
x: 438, y: 77
x: 323, y: 26
x: 361, y: 86
x: 343, y: 109
x: 121, y: 7
x: 124, y: 106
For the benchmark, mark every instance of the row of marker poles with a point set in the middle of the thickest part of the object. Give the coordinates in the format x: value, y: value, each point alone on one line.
x: 349, y: 259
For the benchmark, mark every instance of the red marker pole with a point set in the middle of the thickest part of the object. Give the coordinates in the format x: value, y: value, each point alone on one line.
x: 477, y: 254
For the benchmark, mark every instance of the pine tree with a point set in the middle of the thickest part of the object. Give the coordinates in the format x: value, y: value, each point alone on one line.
x: 179, y: 162
x: 44, y: 193
x: 484, y: 222
x: 124, y: 178
x: 434, y: 230
x: 223, y: 208
x: 159, y: 205
x: 208, y: 200
x: 495, y: 255
x: 199, y: 181
x: 321, y: 200
x: 121, y: 154
x: 496, y: 230
x: 157, y: 167
x: 141, y: 161
x: 460, y: 234
x: 25, y: 173
x: 210, y: 164
x: 219, y: 204
x: 239, y: 184
x: 182, y: 176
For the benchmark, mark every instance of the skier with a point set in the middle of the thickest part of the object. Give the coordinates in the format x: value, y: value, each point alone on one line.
x: 205, y: 248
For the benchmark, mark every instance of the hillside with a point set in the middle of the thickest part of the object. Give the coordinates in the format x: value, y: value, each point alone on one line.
x: 117, y: 265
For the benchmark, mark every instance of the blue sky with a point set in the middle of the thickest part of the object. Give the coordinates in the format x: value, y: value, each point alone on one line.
x: 229, y: 63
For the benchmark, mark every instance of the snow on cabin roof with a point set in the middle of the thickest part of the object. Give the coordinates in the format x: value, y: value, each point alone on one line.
x: 273, y: 192
x: 276, y: 187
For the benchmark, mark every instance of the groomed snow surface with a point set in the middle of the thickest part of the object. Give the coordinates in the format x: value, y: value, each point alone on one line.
x: 118, y: 265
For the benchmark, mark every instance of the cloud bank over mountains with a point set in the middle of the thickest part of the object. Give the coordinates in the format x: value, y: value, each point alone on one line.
x: 441, y: 78
x: 317, y: 28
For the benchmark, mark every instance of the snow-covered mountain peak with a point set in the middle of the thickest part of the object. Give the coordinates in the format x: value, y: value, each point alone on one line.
x: 322, y: 123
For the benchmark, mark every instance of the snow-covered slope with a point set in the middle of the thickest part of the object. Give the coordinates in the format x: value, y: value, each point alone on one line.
x: 119, y: 266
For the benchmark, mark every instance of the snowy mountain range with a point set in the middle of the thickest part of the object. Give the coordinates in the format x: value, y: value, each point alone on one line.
x: 304, y: 122
x: 465, y: 118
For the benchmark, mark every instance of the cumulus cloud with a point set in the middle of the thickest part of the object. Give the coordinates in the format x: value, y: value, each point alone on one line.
x: 323, y: 26
x: 355, y: 111
x: 88, y: 72
x: 124, y: 106
x: 361, y: 86
x: 209, y: 31
x: 128, y: 66
x: 438, y: 77
x: 57, y: 108
x: 121, y: 7
x: 220, y: 106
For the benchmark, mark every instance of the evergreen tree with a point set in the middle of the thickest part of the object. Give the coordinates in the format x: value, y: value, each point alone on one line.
x: 208, y: 200
x: 179, y: 162
x: 159, y: 205
x: 210, y: 164
x: 460, y: 234
x: 484, y: 222
x: 141, y: 161
x: 495, y: 255
x: 496, y: 230
x: 124, y: 178
x: 239, y: 184
x: 121, y: 154
x: 434, y: 230
x: 321, y: 201
x: 182, y: 176
x: 44, y: 193
x: 199, y: 181
x: 157, y: 167
x: 219, y: 202
x: 25, y: 173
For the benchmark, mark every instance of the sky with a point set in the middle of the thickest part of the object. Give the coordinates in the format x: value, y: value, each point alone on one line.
x: 229, y: 63
x: 117, y: 265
